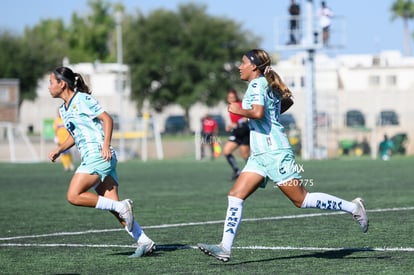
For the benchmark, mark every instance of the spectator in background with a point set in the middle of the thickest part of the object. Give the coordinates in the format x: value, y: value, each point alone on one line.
x: 239, y: 136
x: 325, y: 14
x: 385, y: 148
x: 294, y: 11
x: 61, y: 134
x: 366, y: 149
x: 209, y: 128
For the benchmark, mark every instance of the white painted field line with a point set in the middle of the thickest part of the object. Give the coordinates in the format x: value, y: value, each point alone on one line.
x: 200, y: 223
x: 171, y: 247
x: 60, y: 234
x: 64, y: 245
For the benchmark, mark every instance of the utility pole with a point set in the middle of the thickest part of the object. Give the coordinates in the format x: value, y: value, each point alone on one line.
x: 310, y: 40
x: 119, y: 83
x: 312, y: 43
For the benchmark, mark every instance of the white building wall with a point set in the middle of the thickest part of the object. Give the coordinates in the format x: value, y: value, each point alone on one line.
x: 101, y: 79
x: 342, y: 83
x: 346, y: 82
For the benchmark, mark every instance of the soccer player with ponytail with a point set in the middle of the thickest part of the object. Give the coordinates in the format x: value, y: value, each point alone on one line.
x: 90, y: 128
x: 271, y: 154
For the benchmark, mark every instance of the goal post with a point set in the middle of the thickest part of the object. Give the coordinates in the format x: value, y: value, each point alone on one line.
x: 136, y: 133
x: 15, y: 136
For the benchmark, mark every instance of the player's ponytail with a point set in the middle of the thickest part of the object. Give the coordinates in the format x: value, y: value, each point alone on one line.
x: 74, y: 80
x: 80, y: 84
x: 276, y: 83
x: 263, y: 63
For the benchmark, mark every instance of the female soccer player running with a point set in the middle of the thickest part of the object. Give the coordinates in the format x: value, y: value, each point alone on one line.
x: 271, y: 154
x: 90, y: 128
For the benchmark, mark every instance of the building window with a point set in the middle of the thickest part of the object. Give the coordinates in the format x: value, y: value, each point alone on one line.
x: 391, y: 80
x: 4, y: 95
x: 355, y: 118
x: 388, y: 117
x: 374, y: 81
x: 302, y: 81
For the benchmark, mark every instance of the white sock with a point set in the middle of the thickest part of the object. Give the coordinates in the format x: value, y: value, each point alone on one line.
x: 143, y: 238
x: 233, y: 219
x: 109, y: 204
x: 327, y: 202
x: 137, y: 233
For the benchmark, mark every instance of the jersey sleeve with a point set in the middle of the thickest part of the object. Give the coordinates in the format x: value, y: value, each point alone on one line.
x: 254, y: 94
x: 92, y: 106
x: 257, y: 93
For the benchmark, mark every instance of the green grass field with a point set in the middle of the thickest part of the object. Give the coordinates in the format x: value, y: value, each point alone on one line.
x: 180, y: 203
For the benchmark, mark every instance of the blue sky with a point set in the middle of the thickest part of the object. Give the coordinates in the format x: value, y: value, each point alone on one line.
x: 369, y: 28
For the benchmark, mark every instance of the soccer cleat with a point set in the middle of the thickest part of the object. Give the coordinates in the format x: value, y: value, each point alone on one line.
x: 143, y: 249
x: 127, y: 214
x: 360, y: 215
x: 217, y: 251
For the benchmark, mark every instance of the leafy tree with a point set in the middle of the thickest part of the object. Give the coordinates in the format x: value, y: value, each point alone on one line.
x: 404, y: 9
x: 175, y: 57
x: 27, y: 57
x: 183, y: 57
x: 9, y: 46
x: 88, y: 36
x: 43, y: 46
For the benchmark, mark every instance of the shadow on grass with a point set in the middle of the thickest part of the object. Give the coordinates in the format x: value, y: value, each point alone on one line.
x: 159, y: 248
x: 173, y: 247
x: 332, y: 254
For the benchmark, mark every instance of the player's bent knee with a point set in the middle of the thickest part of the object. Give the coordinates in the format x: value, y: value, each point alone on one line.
x: 72, y: 199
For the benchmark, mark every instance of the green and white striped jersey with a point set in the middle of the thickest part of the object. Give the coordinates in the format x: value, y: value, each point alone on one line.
x: 267, y: 133
x: 80, y: 119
